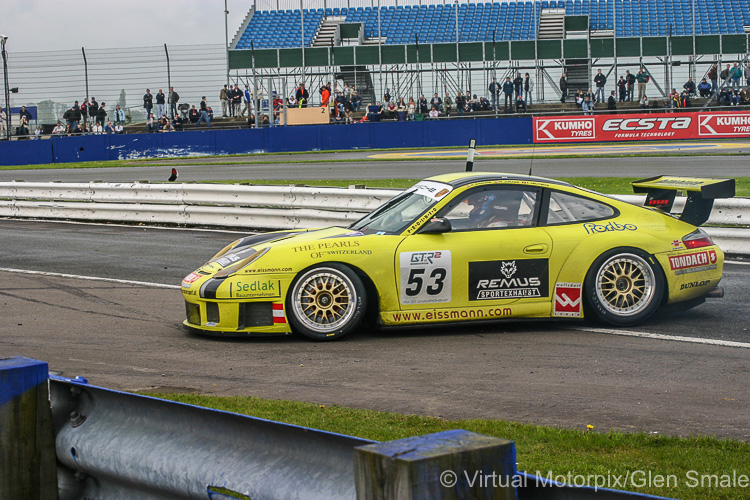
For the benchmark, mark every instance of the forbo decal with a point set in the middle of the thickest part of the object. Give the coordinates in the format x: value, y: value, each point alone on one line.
x: 592, y: 228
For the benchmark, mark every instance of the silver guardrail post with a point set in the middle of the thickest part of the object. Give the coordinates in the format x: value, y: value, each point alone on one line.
x: 28, y: 469
x: 450, y: 465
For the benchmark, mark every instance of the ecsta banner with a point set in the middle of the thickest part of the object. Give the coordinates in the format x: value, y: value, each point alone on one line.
x: 638, y: 127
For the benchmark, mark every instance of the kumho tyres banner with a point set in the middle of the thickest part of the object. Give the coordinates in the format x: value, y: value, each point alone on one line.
x: 638, y: 127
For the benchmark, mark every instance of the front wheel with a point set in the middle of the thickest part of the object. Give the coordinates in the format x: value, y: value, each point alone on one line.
x: 624, y: 287
x: 326, y: 302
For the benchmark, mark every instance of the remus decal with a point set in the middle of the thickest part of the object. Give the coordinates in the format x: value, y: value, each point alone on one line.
x: 508, y: 279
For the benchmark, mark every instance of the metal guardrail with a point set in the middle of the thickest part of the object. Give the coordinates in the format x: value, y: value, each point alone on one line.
x: 264, y: 207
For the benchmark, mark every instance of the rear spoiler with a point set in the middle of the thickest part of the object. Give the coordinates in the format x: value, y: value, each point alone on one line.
x: 701, y: 193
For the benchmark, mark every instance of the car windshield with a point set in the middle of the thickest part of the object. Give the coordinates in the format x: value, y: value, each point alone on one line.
x: 394, y: 216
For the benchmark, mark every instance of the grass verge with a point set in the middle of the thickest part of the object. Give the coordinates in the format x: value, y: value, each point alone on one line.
x: 540, y: 449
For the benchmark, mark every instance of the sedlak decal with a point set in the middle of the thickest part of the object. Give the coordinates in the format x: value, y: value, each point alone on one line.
x: 567, y: 300
x: 508, y: 279
x: 250, y: 289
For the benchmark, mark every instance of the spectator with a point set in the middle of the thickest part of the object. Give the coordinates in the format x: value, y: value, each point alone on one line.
x: 161, y: 103
x: 642, y: 79
x: 422, y: 104
x: 391, y: 111
x: 433, y: 112
x: 356, y: 100
x: 58, y: 130
x: 109, y: 128
x: 528, y: 85
x: 411, y: 109
x: 164, y: 124
x: 291, y: 102
x: 119, y: 129
x: 622, y: 86
x: 734, y: 97
x: 247, y: 98
x: 713, y: 75
x: 685, y: 99
x: 725, y: 75
x: 580, y: 98
x: 101, y: 115
x: 224, y: 98
x: 437, y: 102
x: 148, y: 102
x: 25, y: 121
x: 674, y: 99
x: 520, y: 103
x: 204, y: 115
x: 612, y: 102
x: 83, y: 128
x: 174, y: 98
x: 587, y: 106
x: 704, y: 88
x: 563, y: 88
x: 325, y: 94
x: 37, y: 133
x: 518, y: 84
x: 3, y: 119
x: 178, y: 123
x: 236, y: 100
x: 630, y: 78
x: 747, y: 74
x: 600, y: 81
x: 349, y: 110
x: 119, y: 115
x: 93, y: 110
x: 193, y: 114
x: 494, y: 89
x: 461, y: 104
x: 690, y: 86
x: 448, y: 103
x: 401, y: 109
x: 387, y: 95
x: 508, y: 91
x: 302, y: 95
x: 151, y: 123
x: 83, y: 114
x: 72, y: 117
x: 644, y: 102
x: 97, y: 128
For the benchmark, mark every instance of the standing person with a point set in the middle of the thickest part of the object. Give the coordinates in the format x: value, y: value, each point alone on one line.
x: 736, y: 75
x: 101, y: 115
x: 423, y: 104
x: 174, y: 98
x: 3, y: 119
x: 518, y: 84
x: 224, y: 98
x: 622, y: 86
x: 528, y: 84
x: 93, y: 110
x: 508, y: 91
x: 247, y: 97
x: 302, y: 95
x: 83, y: 111
x: 600, y: 81
x: 642, y: 79
x: 494, y: 89
x: 747, y: 74
x: 204, y: 117
x: 236, y: 100
x: 387, y: 95
x: 630, y: 78
x: 161, y: 103
x: 563, y: 88
x: 448, y: 102
x: 325, y: 95
x: 119, y: 115
x: 713, y: 75
x: 725, y: 73
x: 460, y: 104
x: 148, y: 102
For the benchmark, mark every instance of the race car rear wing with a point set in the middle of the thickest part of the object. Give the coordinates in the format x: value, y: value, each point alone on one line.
x: 701, y: 193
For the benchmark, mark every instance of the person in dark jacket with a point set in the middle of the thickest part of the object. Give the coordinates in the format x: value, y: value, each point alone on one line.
x: 612, y: 102
x: 630, y: 78
x: 101, y: 115
x: 563, y: 87
x: 518, y: 84
x: 460, y: 104
x: 508, y: 91
x: 161, y: 103
x: 302, y: 95
x: 622, y: 86
x: 494, y: 89
x: 704, y: 88
x: 423, y: 105
x: 600, y: 81
x: 93, y: 110
x: 689, y: 86
x: 148, y: 101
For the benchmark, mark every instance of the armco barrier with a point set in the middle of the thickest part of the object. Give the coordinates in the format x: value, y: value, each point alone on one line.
x: 120, y: 446
x: 263, y: 207
x: 417, y: 134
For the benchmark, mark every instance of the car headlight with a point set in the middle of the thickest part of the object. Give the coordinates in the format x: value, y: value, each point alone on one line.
x: 225, y: 250
x: 242, y: 263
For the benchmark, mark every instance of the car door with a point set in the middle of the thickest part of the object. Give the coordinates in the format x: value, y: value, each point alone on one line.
x: 493, y: 256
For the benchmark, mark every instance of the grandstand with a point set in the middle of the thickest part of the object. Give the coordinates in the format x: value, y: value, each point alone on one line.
x: 495, y: 21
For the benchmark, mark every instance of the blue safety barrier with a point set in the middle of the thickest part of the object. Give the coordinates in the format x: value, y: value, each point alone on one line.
x: 418, y: 134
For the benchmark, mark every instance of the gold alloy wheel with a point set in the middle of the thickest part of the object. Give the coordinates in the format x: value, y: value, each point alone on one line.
x: 625, y: 285
x: 323, y: 298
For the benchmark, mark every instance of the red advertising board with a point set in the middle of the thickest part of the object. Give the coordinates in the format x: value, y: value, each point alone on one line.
x: 641, y: 126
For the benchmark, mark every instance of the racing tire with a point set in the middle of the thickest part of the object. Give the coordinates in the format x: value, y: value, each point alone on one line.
x: 326, y: 302
x: 624, y: 287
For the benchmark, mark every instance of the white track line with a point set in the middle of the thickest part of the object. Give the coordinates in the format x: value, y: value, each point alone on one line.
x: 91, y: 278
x: 131, y: 226
x: 742, y: 263
x: 657, y: 336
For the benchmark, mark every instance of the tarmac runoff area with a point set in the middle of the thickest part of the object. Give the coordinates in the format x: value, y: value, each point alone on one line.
x: 672, y: 148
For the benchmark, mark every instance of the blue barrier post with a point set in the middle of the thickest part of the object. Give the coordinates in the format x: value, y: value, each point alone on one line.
x: 450, y: 465
x: 28, y: 468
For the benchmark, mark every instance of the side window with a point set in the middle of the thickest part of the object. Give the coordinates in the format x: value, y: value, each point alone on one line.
x: 493, y: 208
x: 565, y: 208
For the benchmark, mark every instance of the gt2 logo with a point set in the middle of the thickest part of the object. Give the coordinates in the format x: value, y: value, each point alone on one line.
x: 424, y: 257
x: 592, y: 228
x: 630, y: 124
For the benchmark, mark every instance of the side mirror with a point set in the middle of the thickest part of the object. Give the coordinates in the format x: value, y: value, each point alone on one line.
x: 436, y: 226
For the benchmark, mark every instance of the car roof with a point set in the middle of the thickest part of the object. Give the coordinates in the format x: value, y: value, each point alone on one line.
x: 458, y: 179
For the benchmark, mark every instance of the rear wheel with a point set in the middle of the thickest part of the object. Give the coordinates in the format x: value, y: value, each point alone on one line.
x: 326, y: 302
x: 624, y: 287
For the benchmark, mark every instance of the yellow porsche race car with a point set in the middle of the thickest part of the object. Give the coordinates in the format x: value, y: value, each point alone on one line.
x: 469, y: 247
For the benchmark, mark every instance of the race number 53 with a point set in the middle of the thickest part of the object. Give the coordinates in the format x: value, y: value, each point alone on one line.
x: 425, y: 277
